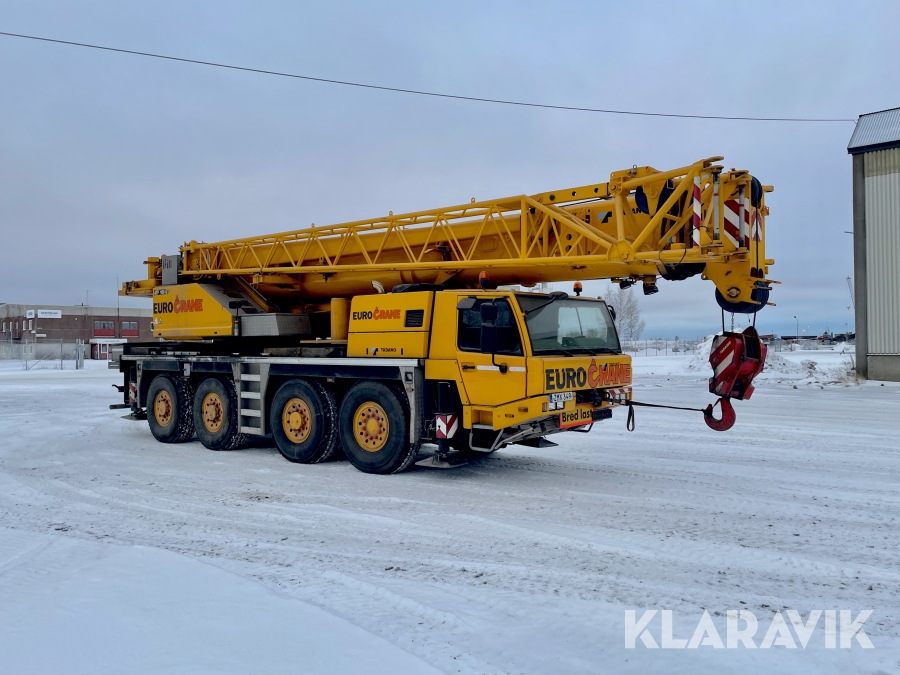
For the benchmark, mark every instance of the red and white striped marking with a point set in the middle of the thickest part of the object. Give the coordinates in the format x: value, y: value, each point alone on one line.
x: 722, y: 356
x: 732, y: 221
x: 619, y: 394
x: 446, y: 426
x: 725, y: 362
x: 756, y: 228
x: 697, y: 219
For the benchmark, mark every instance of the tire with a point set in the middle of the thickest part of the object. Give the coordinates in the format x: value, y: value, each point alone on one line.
x: 169, y: 409
x: 215, y: 414
x: 303, y: 420
x: 375, y: 428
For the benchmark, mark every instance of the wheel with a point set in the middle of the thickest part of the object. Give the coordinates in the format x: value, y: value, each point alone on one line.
x: 169, y: 409
x: 216, y: 420
x: 303, y: 420
x: 375, y: 428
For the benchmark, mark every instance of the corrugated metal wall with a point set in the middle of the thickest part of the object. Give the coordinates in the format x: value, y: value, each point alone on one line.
x: 882, y: 170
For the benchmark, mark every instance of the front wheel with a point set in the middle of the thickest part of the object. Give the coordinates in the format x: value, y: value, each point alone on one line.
x: 375, y: 428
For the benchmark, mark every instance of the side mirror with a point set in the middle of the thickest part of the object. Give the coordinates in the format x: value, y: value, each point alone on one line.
x: 488, y: 312
x: 612, y: 311
x: 488, y: 338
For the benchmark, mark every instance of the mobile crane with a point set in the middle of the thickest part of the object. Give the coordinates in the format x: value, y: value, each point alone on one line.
x: 385, y: 334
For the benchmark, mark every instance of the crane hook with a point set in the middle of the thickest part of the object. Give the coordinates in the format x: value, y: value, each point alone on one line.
x: 728, y: 417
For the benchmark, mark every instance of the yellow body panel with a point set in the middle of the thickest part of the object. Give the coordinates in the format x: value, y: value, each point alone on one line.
x: 388, y: 312
x: 485, y: 384
x: 443, y: 338
x: 409, y: 345
x: 393, y: 325
x: 189, y: 312
x: 518, y: 412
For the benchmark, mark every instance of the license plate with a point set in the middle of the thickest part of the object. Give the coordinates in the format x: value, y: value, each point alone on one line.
x: 558, y: 401
x: 581, y: 414
x: 562, y: 396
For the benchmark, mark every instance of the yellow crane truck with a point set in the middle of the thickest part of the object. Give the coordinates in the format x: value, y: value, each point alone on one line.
x: 382, y: 335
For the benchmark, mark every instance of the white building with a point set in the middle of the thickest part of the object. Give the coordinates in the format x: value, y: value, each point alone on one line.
x: 875, y: 148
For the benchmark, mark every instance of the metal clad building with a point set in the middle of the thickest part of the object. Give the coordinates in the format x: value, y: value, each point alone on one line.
x: 875, y: 148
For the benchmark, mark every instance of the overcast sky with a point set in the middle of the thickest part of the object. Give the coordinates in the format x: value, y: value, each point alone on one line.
x: 106, y: 159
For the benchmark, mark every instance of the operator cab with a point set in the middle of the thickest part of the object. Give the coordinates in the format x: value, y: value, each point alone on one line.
x: 565, y: 325
x: 555, y: 324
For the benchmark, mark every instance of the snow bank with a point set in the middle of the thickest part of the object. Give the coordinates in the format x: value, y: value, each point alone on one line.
x: 822, y: 367
x: 776, y: 364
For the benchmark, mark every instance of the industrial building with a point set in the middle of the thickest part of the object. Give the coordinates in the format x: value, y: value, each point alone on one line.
x: 875, y: 148
x: 24, y: 328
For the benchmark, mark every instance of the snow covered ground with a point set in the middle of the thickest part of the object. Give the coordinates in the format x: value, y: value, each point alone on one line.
x: 122, y: 555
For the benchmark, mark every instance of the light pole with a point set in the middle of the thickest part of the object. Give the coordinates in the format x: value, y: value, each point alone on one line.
x: 797, y: 334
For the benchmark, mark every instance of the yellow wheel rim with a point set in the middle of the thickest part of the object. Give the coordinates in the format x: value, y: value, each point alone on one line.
x: 163, y: 408
x: 372, y: 426
x: 296, y: 420
x: 213, y: 412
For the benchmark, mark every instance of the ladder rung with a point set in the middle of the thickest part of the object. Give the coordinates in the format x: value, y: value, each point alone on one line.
x: 251, y: 430
x: 246, y: 377
x: 246, y: 412
x: 250, y: 394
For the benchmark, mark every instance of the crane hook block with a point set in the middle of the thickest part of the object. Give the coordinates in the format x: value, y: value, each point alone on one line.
x: 736, y: 358
x: 728, y: 416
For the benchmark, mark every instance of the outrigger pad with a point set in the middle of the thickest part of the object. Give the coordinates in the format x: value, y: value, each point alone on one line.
x: 539, y: 442
x: 454, y: 460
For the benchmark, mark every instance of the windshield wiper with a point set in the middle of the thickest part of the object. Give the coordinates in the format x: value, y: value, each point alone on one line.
x: 554, y: 296
x: 593, y: 351
x: 559, y: 351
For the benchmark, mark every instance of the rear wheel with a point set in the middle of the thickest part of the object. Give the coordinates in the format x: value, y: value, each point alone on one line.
x: 216, y: 419
x: 303, y: 421
x: 169, y: 409
x: 375, y: 428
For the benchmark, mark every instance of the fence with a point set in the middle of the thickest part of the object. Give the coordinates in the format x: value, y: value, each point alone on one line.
x: 809, y: 345
x: 43, y: 354
x: 660, y: 347
x: 669, y: 346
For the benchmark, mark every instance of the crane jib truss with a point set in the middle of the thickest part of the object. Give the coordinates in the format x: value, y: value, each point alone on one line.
x: 639, y: 224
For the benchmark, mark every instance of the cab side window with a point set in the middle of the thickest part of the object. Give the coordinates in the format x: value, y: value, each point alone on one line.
x: 469, y: 329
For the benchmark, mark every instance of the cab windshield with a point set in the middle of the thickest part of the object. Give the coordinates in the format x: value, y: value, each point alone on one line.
x: 571, y: 326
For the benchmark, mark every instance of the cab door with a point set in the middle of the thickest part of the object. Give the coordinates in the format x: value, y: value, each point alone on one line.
x: 482, y: 373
